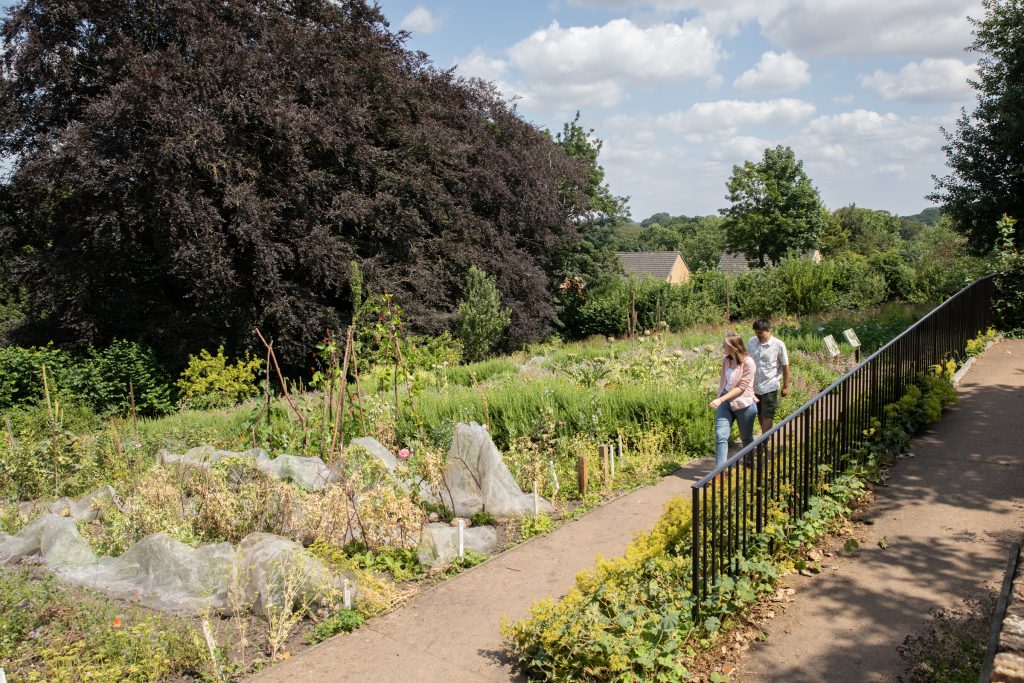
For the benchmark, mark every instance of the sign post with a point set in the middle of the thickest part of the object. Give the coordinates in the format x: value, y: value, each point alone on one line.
x: 851, y: 337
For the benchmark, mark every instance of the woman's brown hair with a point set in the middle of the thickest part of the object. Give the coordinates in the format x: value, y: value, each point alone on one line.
x: 736, y: 348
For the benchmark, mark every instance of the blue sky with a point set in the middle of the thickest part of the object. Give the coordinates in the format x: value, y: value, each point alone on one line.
x: 680, y: 90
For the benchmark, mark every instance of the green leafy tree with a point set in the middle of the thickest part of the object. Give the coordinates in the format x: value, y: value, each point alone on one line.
x: 480, y: 319
x: 868, y: 231
x: 775, y: 208
x: 703, y: 243
x: 985, y: 152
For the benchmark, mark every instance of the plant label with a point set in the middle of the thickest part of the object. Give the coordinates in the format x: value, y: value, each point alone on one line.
x: 851, y: 337
x: 832, y: 346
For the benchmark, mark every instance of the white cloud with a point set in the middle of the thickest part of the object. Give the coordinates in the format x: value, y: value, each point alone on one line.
x: 621, y: 50
x: 775, y: 73
x: 724, y: 118
x: 931, y: 80
x: 478, y: 64
x: 861, y: 28
x: 741, y: 148
x: 420, y: 20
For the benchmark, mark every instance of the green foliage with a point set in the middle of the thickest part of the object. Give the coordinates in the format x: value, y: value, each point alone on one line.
x: 210, y: 381
x: 868, y: 231
x: 483, y: 518
x: 1009, y: 280
x: 480, y: 320
x: 775, y: 208
x: 52, y: 633
x: 473, y: 373
x: 402, y: 564
x: 530, y: 526
x: 581, y: 146
x: 625, y: 619
x: 105, y: 380
x: 987, y: 146
x: 343, y: 621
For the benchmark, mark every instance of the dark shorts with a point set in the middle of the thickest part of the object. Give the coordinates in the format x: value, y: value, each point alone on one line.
x: 766, y: 405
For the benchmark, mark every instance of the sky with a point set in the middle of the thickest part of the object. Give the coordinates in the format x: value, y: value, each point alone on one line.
x: 681, y: 90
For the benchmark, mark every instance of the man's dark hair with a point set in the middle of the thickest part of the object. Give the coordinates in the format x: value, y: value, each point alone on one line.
x: 762, y: 325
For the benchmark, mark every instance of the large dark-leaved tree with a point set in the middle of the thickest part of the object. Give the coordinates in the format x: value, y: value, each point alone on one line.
x: 986, y: 151
x: 184, y: 171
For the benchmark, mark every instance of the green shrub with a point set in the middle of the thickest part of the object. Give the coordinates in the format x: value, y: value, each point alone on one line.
x: 535, y: 526
x: 21, y: 382
x: 123, y: 371
x: 343, y: 621
x: 480, y: 320
x: 1009, y: 280
x: 52, y: 633
x: 210, y: 381
x: 857, y: 284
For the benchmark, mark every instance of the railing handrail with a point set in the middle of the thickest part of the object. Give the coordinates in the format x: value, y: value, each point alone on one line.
x: 749, y: 448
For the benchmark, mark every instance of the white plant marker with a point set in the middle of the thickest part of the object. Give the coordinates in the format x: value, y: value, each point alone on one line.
x: 620, y: 448
x: 346, y: 594
x: 462, y: 538
x: 3, y: 676
x: 536, y: 500
x: 554, y: 476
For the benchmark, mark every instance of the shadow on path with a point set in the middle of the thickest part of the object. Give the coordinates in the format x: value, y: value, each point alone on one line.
x: 947, y: 515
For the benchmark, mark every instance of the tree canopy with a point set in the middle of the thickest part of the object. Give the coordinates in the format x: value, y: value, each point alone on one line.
x: 775, y: 208
x: 986, y: 151
x: 184, y: 171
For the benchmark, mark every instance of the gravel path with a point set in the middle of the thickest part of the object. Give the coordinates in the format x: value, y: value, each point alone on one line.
x: 948, y: 515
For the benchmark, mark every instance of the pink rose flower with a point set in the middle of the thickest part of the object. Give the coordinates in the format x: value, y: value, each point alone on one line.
x: 403, y: 454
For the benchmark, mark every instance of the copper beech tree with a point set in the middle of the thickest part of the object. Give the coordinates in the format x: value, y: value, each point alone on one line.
x: 182, y: 171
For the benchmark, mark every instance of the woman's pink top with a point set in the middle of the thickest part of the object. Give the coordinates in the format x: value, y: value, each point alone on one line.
x: 741, y: 376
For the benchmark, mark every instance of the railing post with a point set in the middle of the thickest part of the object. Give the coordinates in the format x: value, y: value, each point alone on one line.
x: 695, y: 524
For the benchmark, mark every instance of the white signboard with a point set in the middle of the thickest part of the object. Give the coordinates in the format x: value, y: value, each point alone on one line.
x: 832, y: 346
x: 851, y: 337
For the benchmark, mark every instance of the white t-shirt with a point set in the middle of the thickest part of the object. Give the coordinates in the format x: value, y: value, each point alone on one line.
x: 770, y: 358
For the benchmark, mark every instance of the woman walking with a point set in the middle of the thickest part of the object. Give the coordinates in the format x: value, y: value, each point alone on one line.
x: 736, y: 399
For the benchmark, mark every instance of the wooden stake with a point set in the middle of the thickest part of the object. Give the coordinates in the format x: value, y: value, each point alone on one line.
x: 582, y: 475
x: 602, y: 455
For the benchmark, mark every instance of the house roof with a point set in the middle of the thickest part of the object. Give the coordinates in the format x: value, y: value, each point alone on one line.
x: 656, y: 264
x: 733, y: 263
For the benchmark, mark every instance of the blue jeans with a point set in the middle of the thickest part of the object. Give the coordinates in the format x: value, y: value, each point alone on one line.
x: 724, y: 415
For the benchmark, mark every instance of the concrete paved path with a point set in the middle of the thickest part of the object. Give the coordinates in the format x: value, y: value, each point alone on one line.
x: 450, y: 632
x: 949, y: 516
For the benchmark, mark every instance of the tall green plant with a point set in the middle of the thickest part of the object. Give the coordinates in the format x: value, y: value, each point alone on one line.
x: 480, y: 319
x: 1009, y: 281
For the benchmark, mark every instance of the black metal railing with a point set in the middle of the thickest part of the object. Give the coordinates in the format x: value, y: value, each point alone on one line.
x: 781, y: 471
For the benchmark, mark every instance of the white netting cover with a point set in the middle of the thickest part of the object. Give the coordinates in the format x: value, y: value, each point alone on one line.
x: 308, y: 473
x: 87, y: 507
x: 477, y: 479
x: 390, y: 461
x: 165, y: 574
x: 440, y: 543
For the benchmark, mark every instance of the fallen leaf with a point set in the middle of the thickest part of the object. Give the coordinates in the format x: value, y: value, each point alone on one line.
x: 883, y: 543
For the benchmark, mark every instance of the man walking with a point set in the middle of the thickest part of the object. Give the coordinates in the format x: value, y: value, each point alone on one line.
x: 772, y: 360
